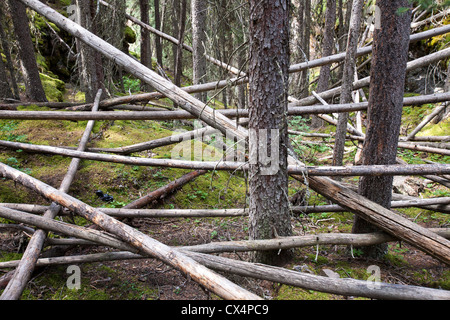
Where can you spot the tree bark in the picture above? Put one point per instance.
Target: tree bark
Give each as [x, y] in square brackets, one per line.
[198, 14]
[347, 80]
[178, 69]
[268, 85]
[306, 46]
[390, 55]
[33, 85]
[5, 90]
[327, 50]
[158, 26]
[7, 53]
[90, 66]
[146, 51]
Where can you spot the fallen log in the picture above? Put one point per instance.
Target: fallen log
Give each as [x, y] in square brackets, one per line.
[293, 110]
[440, 180]
[58, 105]
[419, 237]
[411, 146]
[165, 190]
[432, 138]
[425, 121]
[148, 145]
[412, 65]
[210, 280]
[419, 169]
[56, 226]
[292, 69]
[346, 286]
[141, 213]
[388, 221]
[440, 204]
[282, 243]
[280, 275]
[364, 51]
[26, 267]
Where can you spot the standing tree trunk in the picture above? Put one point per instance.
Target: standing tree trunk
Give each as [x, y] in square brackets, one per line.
[179, 51]
[390, 53]
[198, 16]
[347, 80]
[146, 51]
[7, 53]
[327, 50]
[158, 26]
[33, 85]
[90, 66]
[327, 44]
[306, 44]
[5, 90]
[268, 87]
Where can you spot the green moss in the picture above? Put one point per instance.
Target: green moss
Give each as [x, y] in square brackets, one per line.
[440, 129]
[129, 35]
[54, 88]
[293, 293]
[9, 256]
[64, 3]
[430, 279]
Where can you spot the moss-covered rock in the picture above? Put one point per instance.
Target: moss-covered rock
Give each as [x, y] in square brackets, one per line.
[129, 35]
[54, 88]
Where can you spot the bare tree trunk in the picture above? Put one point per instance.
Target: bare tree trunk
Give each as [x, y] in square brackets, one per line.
[178, 69]
[5, 90]
[347, 80]
[6, 52]
[327, 50]
[90, 67]
[158, 26]
[390, 53]
[305, 46]
[268, 78]
[327, 44]
[33, 85]
[199, 10]
[146, 51]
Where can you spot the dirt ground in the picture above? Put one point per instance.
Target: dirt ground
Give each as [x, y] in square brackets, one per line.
[150, 279]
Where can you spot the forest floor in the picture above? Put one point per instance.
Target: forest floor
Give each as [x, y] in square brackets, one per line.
[151, 279]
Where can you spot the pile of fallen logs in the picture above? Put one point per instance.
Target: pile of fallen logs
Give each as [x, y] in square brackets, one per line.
[195, 261]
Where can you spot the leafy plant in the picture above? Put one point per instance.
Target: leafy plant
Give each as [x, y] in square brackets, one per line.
[131, 84]
[6, 132]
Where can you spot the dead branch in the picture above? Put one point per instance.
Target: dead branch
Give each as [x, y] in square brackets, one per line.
[133, 237]
[340, 286]
[25, 269]
[346, 286]
[165, 190]
[412, 65]
[293, 110]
